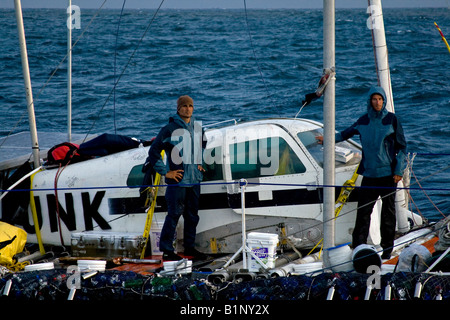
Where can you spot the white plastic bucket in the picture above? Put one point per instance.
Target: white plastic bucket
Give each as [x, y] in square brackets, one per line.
[340, 258]
[155, 235]
[264, 246]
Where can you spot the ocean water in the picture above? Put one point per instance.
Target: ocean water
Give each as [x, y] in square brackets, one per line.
[236, 65]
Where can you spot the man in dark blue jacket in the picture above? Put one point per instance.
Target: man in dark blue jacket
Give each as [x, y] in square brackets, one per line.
[182, 141]
[382, 165]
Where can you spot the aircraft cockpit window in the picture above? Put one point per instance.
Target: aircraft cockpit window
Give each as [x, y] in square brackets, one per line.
[263, 157]
[212, 163]
[346, 154]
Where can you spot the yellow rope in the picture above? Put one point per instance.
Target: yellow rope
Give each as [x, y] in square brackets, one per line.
[152, 193]
[347, 188]
[35, 218]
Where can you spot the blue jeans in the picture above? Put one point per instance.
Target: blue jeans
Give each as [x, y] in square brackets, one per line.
[181, 201]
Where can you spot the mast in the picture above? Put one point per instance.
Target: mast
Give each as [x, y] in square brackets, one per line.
[27, 82]
[329, 125]
[69, 71]
[376, 24]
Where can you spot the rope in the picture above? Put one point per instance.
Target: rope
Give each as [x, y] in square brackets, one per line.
[254, 52]
[58, 173]
[125, 68]
[423, 190]
[250, 183]
[115, 58]
[234, 182]
[36, 97]
[35, 217]
[223, 183]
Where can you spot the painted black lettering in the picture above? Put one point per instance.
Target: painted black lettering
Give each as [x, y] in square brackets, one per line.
[67, 216]
[24, 221]
[91, 210]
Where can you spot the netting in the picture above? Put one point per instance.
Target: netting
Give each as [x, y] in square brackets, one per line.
[125, 285]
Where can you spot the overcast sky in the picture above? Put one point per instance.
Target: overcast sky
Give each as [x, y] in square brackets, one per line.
[229, 4]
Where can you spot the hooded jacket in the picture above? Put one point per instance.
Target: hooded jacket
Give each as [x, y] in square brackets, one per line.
[183, 144]
[382, 139]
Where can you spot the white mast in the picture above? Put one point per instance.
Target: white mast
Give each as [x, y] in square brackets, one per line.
[329, 125]
[376, 24]
[27, 81]
[69, 71]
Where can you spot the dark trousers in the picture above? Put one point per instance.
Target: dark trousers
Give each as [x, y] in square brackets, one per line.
[181, 201]
[370, 189]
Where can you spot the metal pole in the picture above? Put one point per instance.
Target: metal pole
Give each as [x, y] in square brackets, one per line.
[69, 71]
[243, 184]
[376, 25]
[329, 124]
[27, 82]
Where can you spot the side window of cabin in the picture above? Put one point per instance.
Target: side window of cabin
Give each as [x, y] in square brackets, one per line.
[212, 163]
[263, 157]
[346, 154]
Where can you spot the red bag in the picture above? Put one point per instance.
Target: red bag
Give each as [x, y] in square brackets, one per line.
[63, 153]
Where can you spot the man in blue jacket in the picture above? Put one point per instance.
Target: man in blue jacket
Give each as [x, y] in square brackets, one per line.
[182, 141]
[382, 165]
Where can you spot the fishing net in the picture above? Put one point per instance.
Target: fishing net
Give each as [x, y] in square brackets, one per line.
[113, 285]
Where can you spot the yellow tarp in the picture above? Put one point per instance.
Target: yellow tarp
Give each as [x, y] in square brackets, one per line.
[12, 241]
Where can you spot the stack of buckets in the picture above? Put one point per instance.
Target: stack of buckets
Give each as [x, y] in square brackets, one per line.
[264, 246]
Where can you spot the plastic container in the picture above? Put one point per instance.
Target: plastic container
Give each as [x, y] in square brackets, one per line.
[340, 258]
[98, 265]
[177, 267]
[40, 266]
[308, 268]
[264, 246]
[365, 256]
[155, 235]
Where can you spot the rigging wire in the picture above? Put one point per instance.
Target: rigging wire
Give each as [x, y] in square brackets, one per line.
[141, 39]
[36, 97]
[425, 193]
[125, 67]
[250, 183]
[115, 59]
[255, 56]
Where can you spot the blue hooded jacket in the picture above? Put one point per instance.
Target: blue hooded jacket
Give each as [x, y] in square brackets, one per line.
[183, 144]
[382, 139]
